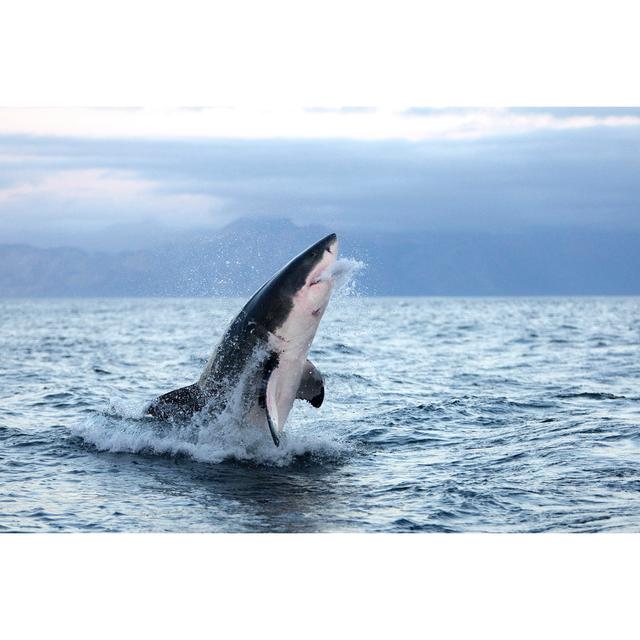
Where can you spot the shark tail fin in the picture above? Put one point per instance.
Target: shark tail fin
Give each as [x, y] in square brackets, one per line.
[180, 403]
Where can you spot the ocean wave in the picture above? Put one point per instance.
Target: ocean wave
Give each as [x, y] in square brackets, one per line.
[592, 395]
[415, 434]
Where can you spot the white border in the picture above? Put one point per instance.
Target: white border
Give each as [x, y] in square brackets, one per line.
[392, 586]
[318, 53]
[310, 54]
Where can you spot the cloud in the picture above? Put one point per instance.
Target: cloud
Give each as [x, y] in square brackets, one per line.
[91, 198]
[353, 110]
[347, 123]
[570, 177]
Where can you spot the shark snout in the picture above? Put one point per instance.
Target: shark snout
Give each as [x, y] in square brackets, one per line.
[332, 245]
[322, 271]
[320, 281]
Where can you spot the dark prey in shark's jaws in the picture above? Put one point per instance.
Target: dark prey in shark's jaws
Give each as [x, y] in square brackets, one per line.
[262, 356]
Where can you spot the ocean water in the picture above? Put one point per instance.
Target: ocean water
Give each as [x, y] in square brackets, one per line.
[441, 415]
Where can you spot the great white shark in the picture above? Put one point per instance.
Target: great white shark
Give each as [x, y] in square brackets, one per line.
[263, 353]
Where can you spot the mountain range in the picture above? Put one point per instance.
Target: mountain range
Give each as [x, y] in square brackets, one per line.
[235, 260]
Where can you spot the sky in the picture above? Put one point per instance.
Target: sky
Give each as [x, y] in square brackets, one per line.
[113, 176]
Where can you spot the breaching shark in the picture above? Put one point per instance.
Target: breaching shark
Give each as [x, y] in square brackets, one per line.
[264, 350]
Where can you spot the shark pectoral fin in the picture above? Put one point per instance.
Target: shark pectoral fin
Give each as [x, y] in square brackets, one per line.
[268, 402]
[311, 386]
[180, 403]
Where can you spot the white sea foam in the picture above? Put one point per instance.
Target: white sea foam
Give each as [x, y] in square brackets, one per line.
[204, 438]
[126, 408]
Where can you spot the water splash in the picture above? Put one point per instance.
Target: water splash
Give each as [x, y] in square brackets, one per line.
[205, 438]
[343, 272]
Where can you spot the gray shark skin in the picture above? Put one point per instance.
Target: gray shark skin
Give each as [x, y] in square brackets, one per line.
[263, 352]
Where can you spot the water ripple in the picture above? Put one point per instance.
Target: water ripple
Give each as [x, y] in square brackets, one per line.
[441, 415]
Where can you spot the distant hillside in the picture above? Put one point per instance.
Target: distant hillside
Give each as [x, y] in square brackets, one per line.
[238, 258]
